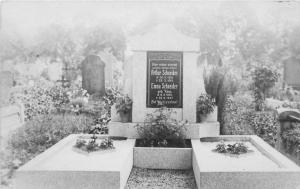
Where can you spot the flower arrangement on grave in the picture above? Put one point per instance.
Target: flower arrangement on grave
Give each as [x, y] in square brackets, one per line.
[123, 107]
[205, 105]
[161, 130]
[236, 148]
[94, 143]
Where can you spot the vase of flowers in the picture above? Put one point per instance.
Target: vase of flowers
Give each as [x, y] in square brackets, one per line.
[123, 107]
[206, 108]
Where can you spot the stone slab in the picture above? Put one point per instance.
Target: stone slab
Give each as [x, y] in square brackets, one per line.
[195, 130]
[162, 158]
[62, 167]
[286, 175]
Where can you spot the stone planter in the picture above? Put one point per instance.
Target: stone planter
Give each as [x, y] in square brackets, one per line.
[211, 117]
[162, 158]
[125, 117]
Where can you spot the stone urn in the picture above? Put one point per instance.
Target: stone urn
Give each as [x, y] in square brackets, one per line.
[125, 117]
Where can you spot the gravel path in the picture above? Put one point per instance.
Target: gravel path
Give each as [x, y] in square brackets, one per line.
[165, 179]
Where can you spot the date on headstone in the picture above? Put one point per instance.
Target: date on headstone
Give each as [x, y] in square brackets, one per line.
[164, 79]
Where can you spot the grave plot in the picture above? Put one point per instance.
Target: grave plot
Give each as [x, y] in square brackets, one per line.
[62, 167]
[260, 167]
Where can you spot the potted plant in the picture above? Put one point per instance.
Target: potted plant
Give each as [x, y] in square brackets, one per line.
[162, 142]
[205, 106]
[123, 107]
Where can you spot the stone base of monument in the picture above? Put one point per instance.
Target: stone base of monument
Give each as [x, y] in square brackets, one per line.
[192, 131]
[263, 167]
[61, 167]
[162, 158]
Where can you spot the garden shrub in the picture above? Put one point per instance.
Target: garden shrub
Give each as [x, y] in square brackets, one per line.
[291, 140]
[42, 98]
[263, 80]
[42, 132]
[234, 115]
[240, 118]
[36, 99]
[161, 130]
[265, 125]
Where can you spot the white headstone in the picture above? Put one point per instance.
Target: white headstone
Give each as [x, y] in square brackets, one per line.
[180, 54]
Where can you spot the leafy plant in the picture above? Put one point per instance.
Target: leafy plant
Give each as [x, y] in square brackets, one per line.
[161, 130]
[123, 104]
[263, 80]
[236, 148]
[205, 104]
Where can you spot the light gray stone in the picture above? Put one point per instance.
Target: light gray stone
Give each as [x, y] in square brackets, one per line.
[286, 175]
[61, 167]
[162, 158]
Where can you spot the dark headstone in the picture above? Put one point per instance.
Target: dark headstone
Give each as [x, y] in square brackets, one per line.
[164, 79]
[93, 75]
[289, 115]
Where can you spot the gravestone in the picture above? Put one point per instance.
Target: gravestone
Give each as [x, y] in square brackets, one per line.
[161, 70]
[291, 72]
[6, 83]
[93, 75]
